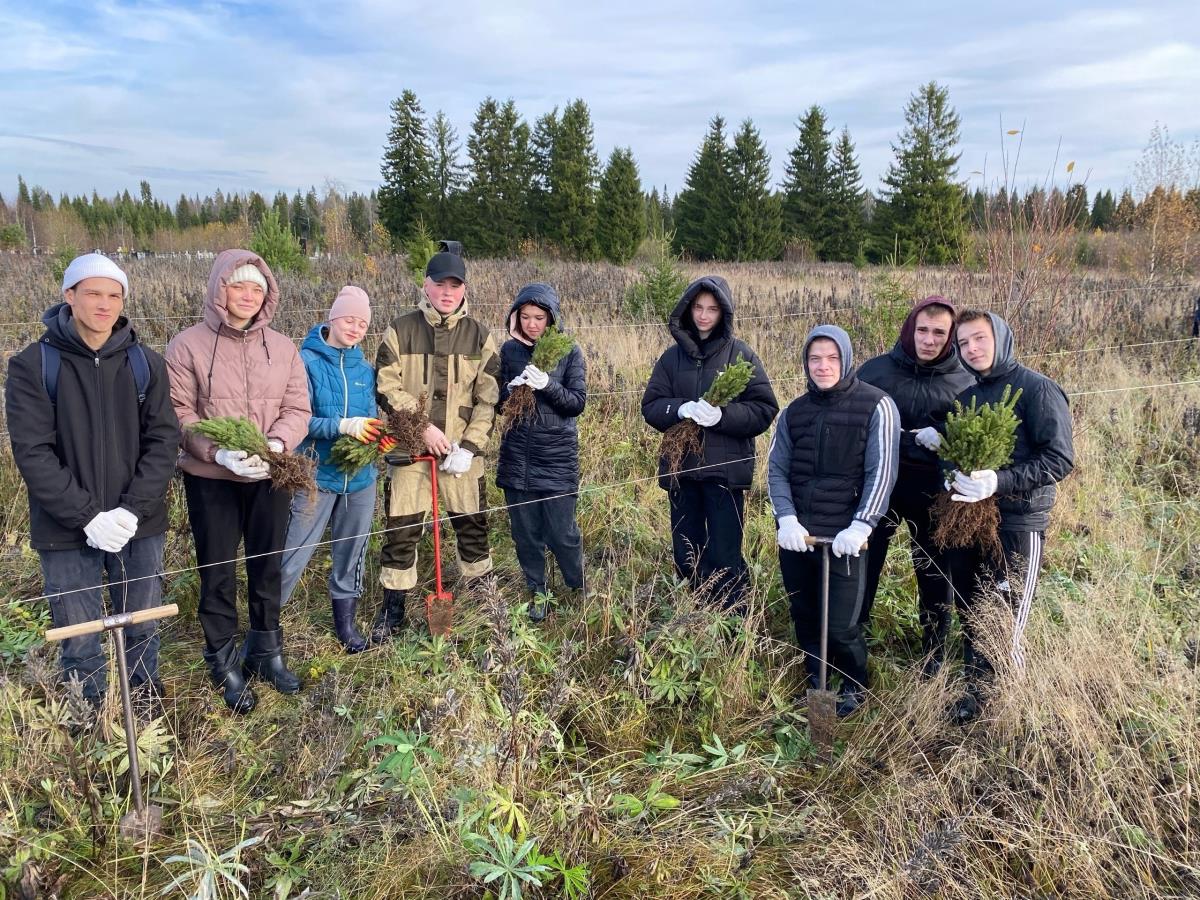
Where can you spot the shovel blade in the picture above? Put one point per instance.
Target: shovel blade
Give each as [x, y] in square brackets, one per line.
[141, 827]
[439, 613]
[822, 719]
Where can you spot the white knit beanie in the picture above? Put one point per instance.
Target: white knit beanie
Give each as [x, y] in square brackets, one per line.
[93, 265]
[248, 272]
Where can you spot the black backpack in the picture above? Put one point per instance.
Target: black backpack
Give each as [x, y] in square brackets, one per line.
[135, 356]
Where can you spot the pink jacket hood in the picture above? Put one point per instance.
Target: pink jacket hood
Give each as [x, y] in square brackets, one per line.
[215, 315]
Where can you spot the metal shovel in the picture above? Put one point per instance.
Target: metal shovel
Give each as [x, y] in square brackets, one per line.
[144, 822]
[439, 606]
[822, 702]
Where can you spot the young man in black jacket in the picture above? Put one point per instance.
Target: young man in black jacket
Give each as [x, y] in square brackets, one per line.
[1025, 489]
[923, 375]
[708, 495]
[95, 438]
[831, 470]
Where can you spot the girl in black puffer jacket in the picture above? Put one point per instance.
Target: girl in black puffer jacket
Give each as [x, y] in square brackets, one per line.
[539, 455]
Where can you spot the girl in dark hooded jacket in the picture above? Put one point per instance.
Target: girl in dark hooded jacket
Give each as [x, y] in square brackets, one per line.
[708, 496]
[539, 455]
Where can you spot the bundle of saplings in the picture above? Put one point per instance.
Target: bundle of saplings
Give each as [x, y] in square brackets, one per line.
[685, 436]
[403, 429]
[289, 471]
[977, 438]
[548, 352]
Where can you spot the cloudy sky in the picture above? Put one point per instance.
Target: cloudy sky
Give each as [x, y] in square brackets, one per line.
[280, 95]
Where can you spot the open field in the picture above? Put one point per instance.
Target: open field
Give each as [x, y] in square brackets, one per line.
[654, 747]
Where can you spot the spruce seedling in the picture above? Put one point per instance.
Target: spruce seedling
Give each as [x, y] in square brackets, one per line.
[686, 438]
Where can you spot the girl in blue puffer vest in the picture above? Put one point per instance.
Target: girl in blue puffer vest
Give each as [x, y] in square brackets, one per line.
[341, 388]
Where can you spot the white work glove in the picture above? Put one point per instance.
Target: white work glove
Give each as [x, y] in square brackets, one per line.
[705, 414]
[110, 530]
[687, 410]
[240, 463]
[535, 377]
[275, 446]
[457, 461]
[517, 382]
[972, 488]
[792, 534]
[362, 428]
[929, 438]
[850, 539]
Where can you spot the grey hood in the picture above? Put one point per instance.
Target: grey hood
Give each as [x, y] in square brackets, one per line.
[1005, 359]
[839, 337]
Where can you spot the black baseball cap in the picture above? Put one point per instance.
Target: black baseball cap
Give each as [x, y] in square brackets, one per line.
[446, 265]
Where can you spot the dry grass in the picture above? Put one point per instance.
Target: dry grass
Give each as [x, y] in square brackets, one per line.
[638, 733]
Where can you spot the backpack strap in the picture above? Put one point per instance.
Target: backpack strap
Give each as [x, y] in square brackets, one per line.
[135, 356]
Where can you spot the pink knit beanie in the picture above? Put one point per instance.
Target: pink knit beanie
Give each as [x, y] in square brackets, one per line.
[351, 301]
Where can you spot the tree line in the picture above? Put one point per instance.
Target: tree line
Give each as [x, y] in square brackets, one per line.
[513, 187]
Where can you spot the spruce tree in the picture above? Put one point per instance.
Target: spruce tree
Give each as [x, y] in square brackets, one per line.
[922, 212]
[847, 225]
[449, 177]
[497, 195]
[358, 217]
[1104, 207]
[541, 148]
[256, 208]
[756, 226]
[1076, 206]
[407, 169]
[574, 171]
[704, 207]
[808, 187]
[620, 208]
[280, 205]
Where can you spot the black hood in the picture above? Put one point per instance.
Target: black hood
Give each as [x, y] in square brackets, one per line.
[541, 295]
[61, 333]
[684, 330]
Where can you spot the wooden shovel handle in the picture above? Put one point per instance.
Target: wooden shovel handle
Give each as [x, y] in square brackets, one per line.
[97, 625]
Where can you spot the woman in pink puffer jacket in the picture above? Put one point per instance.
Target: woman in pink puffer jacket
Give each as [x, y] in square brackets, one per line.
[234, 364]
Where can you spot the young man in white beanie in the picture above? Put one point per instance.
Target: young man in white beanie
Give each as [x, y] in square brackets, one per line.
[95, 437]
[341, 389]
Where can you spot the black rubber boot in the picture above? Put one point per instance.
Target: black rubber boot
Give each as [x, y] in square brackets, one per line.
[264, 657]
[539, 606]
[966, 708]
[225, 669]
[390, 620]
[344, 625]
[849, 702]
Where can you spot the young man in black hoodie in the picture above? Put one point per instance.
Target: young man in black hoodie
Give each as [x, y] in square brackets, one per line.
[1025, 489]
[831, 470]
[708, 496]
[95, 438]
[923, 375]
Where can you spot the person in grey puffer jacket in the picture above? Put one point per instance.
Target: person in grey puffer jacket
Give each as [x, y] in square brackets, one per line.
[1024, 489]
[539, 456]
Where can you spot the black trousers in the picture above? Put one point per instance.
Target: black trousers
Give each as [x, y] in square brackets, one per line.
[935, 592]
[223, 515]
[847, 578]
[544, 520]
[706, 538]
[1015, 575]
